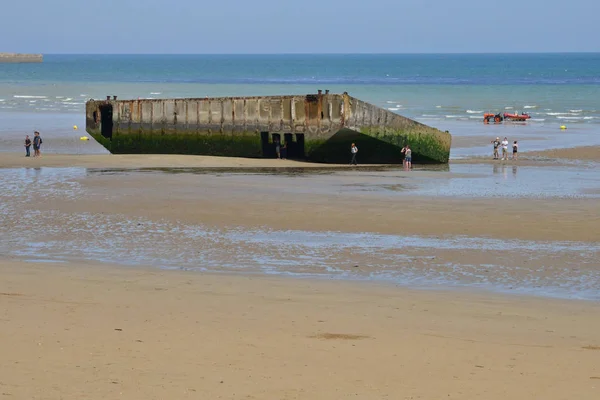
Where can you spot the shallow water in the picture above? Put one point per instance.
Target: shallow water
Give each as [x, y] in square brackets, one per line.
[558, 269]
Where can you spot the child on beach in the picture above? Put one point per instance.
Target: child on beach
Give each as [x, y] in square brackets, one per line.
[515, 149]
[27, 145]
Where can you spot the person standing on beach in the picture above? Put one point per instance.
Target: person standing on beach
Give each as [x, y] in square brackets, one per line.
[27, 145]
[505, 149]
[37, 143]
[353, 150]
[515, 150]
[278, 148]
[496, 144]
[407, 156]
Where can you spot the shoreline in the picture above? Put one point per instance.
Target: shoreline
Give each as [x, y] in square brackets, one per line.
[162, 334]
[552, 157]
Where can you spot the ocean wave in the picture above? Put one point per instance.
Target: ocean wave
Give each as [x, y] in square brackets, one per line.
[18, 96]
[588, 118]
[454, 116]
[538, 119]
[576, 111]
[67, 99]
[474, 112]
[557, 113]
[59, 97]
[475, 116]
[570, 117]
[508, 108]
[529, 106]
[393, 108]
[155, 93]
[429, 115]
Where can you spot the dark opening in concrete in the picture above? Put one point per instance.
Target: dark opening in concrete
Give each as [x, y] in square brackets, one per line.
[264, 143]
[106, 120]
[299, 146]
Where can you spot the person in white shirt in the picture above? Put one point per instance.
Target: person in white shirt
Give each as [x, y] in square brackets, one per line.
[505, 149]
[353, 150]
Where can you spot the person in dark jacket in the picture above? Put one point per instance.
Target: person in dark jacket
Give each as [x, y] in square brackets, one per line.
[27, 146]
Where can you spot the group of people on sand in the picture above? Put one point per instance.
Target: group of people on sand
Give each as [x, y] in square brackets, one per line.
[407, 162]
[504, 144]
[36, 143]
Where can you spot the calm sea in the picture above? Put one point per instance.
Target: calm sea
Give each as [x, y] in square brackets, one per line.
[445, 91]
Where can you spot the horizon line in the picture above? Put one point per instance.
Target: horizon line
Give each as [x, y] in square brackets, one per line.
[325, 54]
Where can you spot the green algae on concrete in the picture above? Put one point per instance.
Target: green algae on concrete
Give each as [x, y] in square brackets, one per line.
[183, 143]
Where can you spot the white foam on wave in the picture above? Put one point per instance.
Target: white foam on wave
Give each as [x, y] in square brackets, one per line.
[32, 101]
[576, 111]
[155, 93]
[59, 97]
[438, 106]
[557, 113]
[82, 95]
[429, 115]
[454, 116]
[529, 106]
[393, 108]
[1, 99]
[588, 118]
[475, 116]
[18, 96]
[571, 118]
[474, 112]
[538, 119]
[71, 103]
[388, 101]
[67, 99]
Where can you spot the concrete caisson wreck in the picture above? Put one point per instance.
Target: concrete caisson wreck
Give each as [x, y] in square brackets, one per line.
[318, 127]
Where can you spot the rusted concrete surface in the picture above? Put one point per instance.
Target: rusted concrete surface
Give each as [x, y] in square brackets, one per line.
[318, 126]
[20, 58]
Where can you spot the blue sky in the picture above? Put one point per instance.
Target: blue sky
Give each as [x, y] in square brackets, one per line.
[308, 26]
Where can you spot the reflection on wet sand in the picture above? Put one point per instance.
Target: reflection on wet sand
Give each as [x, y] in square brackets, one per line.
[86, 229]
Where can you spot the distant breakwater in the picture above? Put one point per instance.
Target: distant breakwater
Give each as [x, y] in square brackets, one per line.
[21, 58]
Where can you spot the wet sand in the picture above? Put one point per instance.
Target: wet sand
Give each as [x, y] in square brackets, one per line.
[150, 161]
[552, 157]
[586, 153]
[97, 332]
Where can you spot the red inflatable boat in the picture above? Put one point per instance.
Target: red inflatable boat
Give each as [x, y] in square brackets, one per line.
[516, 117]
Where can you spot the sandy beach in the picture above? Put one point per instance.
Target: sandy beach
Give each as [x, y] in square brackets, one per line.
[164, 276]
[97, 331]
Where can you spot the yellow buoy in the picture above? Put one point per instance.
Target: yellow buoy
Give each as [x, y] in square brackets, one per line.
[563, 127]
[84, 138]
